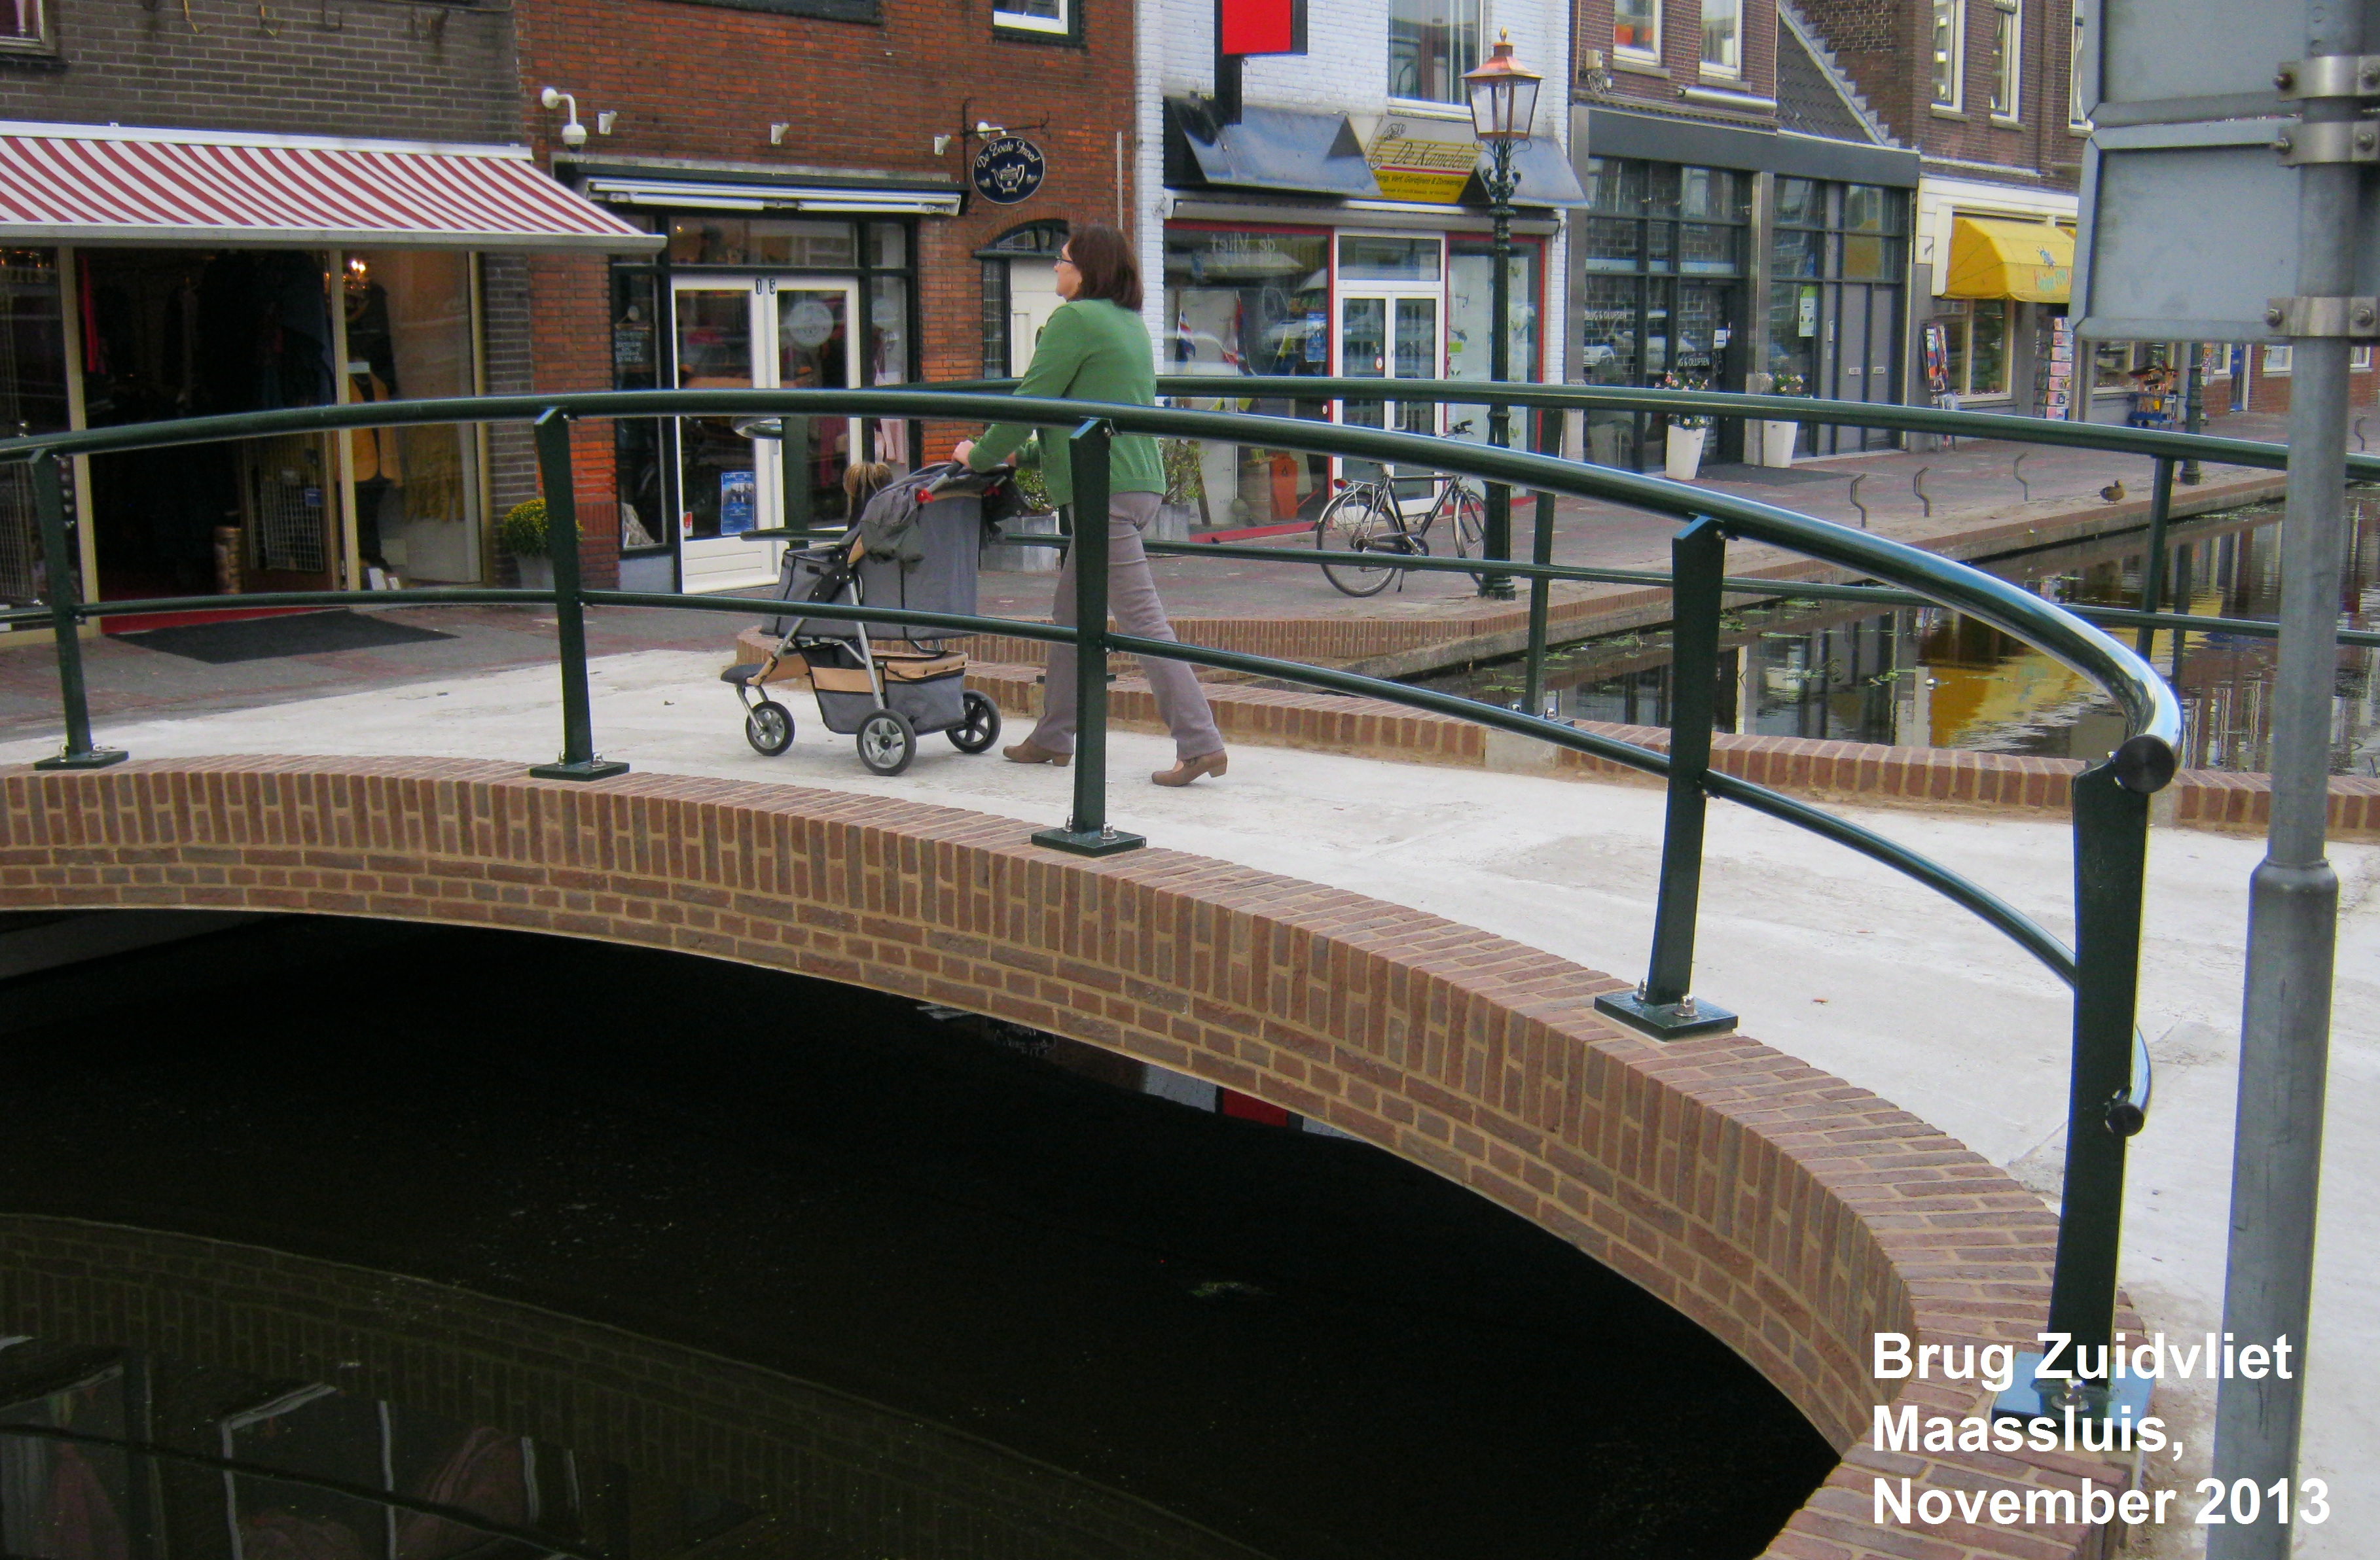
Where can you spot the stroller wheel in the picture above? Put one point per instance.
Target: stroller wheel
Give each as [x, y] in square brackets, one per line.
[887, 742]
[768, 727]
[981, 727]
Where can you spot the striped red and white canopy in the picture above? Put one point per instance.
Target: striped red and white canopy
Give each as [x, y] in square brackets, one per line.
[80, 183]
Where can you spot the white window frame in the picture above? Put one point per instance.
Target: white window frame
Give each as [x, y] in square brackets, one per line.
[1628, 52]
[1062, 26]
[1731, 69]
[1957, 62]
[1457, 105]
[39, 41]
[2075, 118]
[2359, 359]
[2278, 358]
[2008, 61]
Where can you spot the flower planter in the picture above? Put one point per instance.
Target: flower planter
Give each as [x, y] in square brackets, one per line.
[536, 573]
[1685, 453]
[1777, 442]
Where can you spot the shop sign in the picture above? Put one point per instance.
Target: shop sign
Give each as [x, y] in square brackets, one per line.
[1008, 169]
[809, 323]
[1410, 165]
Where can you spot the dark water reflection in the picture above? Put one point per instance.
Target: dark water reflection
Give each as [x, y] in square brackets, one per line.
[634, 1256]
[1928, 677]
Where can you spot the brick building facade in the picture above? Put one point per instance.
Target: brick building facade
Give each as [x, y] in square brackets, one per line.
[810, 165]
[269, 278]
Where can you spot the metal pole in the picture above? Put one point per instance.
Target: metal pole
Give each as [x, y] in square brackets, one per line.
[1661, 1006]
[2111, 836]
[2193, 405]
[2293, 895]
[2181, 561]
[1541, 551]
[2152, 575]
[579, 761]
[1086, 832]
[1498, 542]
[793, 469]
[64, 596]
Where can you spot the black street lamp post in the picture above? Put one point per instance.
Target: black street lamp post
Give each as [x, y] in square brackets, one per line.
[1503, 107]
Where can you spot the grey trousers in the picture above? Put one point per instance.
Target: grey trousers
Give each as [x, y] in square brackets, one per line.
[1133, 603]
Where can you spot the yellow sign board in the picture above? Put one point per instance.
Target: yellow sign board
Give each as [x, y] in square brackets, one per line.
[1408, 167]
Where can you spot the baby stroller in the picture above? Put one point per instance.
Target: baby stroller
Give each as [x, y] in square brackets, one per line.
[913, 547]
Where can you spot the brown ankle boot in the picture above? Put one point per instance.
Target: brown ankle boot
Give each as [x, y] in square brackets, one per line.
[1025, 753]
[1189, 770]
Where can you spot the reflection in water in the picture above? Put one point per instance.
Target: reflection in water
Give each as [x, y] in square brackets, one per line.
[634, 1256]
[1930, 678]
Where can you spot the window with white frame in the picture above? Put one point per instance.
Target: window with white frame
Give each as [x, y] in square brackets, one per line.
[1035, 16]
[1722, 37]
[1949, 51]
[1431, 43]
[2075, 118]
[2008, 56]
[2277, 357]
[1636, 28]
[2360, 357]
[24, 25]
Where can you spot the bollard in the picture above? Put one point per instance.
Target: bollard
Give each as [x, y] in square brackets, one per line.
[66, 622]
[1086, 832]
[579, 761]
[1662, 1006]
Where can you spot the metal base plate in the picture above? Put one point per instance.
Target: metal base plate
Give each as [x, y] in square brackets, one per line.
[2094, 1400]
[585, 770]
[97, 758]
[1664, 1020]
[1088, 843]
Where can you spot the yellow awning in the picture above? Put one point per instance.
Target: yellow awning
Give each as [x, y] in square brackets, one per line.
[1993, 257]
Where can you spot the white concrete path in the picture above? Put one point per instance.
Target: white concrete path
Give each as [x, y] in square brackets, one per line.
[1825, 955]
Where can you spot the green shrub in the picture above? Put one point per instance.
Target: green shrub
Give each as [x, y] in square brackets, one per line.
[522, 530]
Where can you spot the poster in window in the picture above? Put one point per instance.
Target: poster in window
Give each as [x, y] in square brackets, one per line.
[1938, 357]
[1808, 320]
[737, 502]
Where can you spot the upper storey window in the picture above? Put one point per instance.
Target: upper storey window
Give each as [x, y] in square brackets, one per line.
[1431, 43]
[24, 26]
[1636, 28]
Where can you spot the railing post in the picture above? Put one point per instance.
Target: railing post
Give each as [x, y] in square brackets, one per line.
[579, 761]
[1662, 1006]
[1086, 832]
[2152, 575]
[793, 465]
[2111, 833]
[1541, 551]
[65, 621]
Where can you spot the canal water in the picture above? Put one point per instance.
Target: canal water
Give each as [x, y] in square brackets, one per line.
[1934, 678]
[346, 1241]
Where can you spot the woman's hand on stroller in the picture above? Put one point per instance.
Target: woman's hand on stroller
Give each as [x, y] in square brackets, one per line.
[965, 447]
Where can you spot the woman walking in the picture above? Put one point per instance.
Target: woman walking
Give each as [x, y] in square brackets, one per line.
[1095, 348]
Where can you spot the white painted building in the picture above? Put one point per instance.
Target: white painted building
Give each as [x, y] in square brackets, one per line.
[1338, 227]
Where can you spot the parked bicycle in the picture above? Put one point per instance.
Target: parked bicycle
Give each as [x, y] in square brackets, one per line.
[1368, 517]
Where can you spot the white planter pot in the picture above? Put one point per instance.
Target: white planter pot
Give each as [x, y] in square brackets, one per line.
[1685, 454]
[1777, 442]
[536, 573]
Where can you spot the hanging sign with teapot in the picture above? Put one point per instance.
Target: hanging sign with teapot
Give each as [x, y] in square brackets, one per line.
[1008, 169]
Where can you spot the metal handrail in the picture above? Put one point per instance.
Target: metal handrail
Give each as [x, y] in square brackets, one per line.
[2108, 1083]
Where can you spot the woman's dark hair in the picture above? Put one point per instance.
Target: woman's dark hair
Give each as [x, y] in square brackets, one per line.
[1103, 259]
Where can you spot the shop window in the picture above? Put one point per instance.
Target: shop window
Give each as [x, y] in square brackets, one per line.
[2008, 56]
[1636, 28]
[709, 239]
[2076, 120]
[24, 26]
[1049, 18]
[1431, 43]
[637, 456]
[1241, 302]
[410, 338]
[1722, 37]
[1975, 346]
[1368, 258]
[1471, 323]
[2278, 355]
[32, 400]
[1950, 52]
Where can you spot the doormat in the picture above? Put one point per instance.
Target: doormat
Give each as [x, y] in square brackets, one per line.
[1768, 475]
[308, 634]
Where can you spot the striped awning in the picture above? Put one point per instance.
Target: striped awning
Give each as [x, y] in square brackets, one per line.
[84, 184]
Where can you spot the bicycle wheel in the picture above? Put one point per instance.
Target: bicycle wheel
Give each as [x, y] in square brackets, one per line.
[1354, 520]
[1470, 522]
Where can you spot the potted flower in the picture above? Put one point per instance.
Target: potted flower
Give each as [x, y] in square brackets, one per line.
[522, 533]
[1776, 435]
[1688, 432]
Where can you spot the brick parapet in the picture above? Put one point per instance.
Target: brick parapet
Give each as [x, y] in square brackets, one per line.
[1784, 1210]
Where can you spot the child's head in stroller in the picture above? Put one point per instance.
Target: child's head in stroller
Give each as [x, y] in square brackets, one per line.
[861, 481]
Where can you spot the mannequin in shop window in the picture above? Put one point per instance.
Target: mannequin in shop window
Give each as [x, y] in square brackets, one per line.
[378, 462]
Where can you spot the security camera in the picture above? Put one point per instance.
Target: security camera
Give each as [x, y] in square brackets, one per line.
[574, 134]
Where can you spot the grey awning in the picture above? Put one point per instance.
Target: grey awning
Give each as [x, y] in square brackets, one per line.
[1269, 148]
[1546, 178]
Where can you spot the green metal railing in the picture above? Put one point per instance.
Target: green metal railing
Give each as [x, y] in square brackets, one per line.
[2109, 1082]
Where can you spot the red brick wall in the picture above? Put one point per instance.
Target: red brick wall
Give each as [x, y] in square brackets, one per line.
[1787, 1212]
[1682, 49]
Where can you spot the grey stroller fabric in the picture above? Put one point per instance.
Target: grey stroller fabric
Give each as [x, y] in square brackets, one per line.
[927, 563]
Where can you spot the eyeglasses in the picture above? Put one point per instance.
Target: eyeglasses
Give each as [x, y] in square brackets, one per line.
[1067, 261]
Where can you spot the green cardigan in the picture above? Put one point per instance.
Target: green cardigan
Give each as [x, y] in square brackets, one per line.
[1091, 350]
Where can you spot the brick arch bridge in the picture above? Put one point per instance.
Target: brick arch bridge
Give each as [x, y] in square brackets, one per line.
[1787, 1212]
